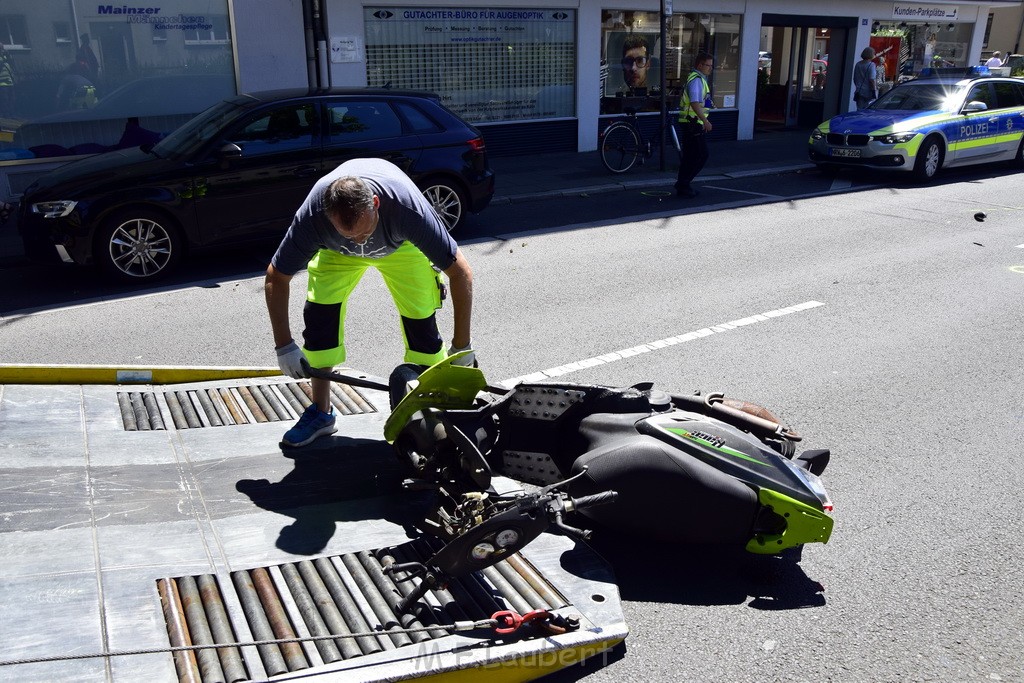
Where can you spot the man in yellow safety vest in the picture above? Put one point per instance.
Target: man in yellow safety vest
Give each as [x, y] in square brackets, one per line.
[694, 124]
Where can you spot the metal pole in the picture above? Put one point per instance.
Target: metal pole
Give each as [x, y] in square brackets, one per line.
[312, 77]
[666, 11]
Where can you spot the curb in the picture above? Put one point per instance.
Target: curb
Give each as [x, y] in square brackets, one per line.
[644, 183]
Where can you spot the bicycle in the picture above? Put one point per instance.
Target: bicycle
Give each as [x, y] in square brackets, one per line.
[623, 143]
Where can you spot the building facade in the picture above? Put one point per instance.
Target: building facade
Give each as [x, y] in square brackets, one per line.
[1004, 32]
[544, 75]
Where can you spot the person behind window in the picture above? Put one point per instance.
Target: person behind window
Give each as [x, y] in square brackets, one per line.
[6, 83]
[695, 124]
[635, 61]
[995, 60]
[75, 90]
[865, 73]
[87, 57]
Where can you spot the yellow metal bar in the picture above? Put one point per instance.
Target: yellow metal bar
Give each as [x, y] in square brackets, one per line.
[123, 374]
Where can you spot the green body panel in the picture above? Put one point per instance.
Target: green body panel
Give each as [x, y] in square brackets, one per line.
[804, 524]
[442, 385]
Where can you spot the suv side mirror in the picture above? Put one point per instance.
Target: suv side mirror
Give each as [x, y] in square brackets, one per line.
[974, 105]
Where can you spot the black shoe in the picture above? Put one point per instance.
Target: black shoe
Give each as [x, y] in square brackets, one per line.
[687, 193]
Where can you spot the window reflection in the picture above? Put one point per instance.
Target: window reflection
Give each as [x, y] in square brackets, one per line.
[91, 77]
[631, 54]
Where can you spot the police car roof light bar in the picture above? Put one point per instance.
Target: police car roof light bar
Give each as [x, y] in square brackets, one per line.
[955, 72]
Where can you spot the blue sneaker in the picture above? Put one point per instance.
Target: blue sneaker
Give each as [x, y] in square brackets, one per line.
[312, 425]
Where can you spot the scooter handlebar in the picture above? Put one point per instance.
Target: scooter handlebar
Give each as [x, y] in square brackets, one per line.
[602, 498]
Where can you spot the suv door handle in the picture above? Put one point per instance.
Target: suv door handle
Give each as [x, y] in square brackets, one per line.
[304, 171]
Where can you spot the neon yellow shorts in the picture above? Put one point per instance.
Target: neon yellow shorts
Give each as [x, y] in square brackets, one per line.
[414, 285]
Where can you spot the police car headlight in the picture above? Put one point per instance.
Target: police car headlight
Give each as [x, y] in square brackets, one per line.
[57, 209]
[894, 138]
[817, 134]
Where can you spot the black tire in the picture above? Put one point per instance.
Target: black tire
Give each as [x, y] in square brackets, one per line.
[1018, 161]
[448, 200]
[620, 147]
[929, 159]
[138, 246]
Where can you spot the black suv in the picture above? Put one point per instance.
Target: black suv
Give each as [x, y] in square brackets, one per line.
[238, 171]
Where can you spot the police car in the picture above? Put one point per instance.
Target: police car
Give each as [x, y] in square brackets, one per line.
[932, 122]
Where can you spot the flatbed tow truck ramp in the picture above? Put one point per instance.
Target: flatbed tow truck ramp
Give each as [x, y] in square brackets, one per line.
[153, 529]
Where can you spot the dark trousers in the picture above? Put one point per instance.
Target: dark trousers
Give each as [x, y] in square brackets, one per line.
[693, 156]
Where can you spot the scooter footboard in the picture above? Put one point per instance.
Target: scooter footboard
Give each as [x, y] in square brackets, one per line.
[665, 494]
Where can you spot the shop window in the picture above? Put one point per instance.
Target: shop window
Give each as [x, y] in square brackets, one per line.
[13, 33]
[99, 81]
[213, 30]
[487, 65]
[62, 33]
[631, 51]
[912, 46]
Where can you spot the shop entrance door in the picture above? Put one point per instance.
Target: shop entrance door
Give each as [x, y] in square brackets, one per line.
[802, 70]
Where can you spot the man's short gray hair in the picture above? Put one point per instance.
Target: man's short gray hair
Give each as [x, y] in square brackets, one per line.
[868, 53]
[347, 199]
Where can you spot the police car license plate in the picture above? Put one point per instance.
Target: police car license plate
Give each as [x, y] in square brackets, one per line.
[843, 152]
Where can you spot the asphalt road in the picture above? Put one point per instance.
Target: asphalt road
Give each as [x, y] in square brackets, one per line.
[904, 361]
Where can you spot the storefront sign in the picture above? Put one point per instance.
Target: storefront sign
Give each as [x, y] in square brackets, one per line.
[913, 12]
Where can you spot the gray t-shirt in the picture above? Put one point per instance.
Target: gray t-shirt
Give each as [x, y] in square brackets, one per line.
[405, 215]
[864, 74]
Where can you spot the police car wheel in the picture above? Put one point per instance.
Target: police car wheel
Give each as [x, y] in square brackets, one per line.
[1018, 161]
[929, 159]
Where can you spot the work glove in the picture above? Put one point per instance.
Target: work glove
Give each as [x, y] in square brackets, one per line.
[292, 361]
[469, 360]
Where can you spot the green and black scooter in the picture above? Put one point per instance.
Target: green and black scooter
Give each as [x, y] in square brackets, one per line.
[684, 469]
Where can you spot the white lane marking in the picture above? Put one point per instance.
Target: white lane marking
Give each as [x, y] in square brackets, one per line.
[1020, 246]
[756, 194]
[840, 184]
[659, 344]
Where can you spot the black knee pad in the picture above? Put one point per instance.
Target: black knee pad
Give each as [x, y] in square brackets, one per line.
[323, 325]
[422, 334]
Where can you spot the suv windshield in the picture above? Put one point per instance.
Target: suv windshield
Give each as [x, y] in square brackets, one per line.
[185, 140]
[920, 97]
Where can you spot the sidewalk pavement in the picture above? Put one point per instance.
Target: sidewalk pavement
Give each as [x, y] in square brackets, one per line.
[538, 176]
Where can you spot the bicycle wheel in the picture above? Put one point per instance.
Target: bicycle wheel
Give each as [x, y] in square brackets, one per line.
[620, 147]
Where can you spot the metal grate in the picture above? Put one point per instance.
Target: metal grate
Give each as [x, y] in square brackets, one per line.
[339, 595]
[222, 406]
